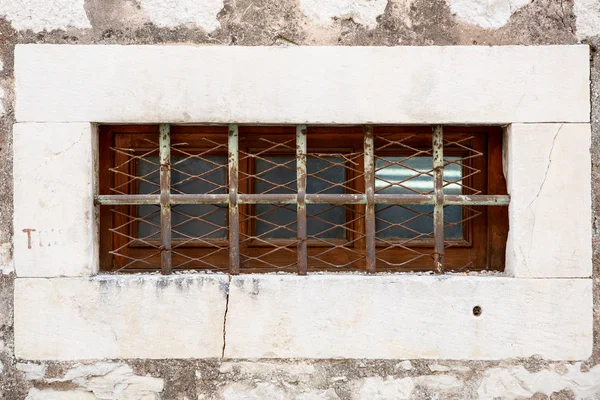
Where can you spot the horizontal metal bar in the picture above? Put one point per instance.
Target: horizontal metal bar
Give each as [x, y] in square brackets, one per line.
[414, 199]
[336, 199]
[267, 198]
[141, 199]
[449, 200]
[127, 199]
[200, 198]
[476, 200]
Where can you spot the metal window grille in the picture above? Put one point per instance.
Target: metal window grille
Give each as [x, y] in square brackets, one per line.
[267, 200]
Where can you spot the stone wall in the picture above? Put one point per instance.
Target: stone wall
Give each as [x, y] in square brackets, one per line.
[289, 23]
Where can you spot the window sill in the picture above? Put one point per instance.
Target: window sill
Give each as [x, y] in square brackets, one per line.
[287, 316]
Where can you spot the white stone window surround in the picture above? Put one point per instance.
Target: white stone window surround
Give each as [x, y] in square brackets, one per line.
[542, 305]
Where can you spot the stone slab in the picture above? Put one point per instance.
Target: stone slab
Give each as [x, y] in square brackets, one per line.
[408, 317]
[114, 317]
[54, 218]
[227, 84]
[550, 213]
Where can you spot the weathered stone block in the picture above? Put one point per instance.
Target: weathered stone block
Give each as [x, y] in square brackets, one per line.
[54, 217]
[405, 85]
[40, 15]
[183, 12]
[549, 180]
[114, 317]
[403, 316]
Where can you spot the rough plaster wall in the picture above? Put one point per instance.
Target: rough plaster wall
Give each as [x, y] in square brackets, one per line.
[172, 13]
[38, 15]
[363, 12]
[588, 18]
[485, 13]
[278, 22]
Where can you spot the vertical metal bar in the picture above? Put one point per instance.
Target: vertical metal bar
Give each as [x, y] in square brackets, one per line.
[438, 208]
[234, 216]
[165, 194]
[301, 224]
[370, 195]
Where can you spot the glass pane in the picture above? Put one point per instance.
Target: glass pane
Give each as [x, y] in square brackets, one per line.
[415, 219]
[321, 219]
[275, 222]
[205, 221]
[275, 171]
[272, 216]
[322, 171]
[149, 225]
[212, 180]
[453, 214]
[201, 218]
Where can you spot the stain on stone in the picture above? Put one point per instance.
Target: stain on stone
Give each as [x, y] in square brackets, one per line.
[224, 288]
[534, 364]
[255, 287]
[106, 15]
[182, 284]
[57, 386]
[13, 384]
[163, 283]
[239, 282]
[108, 284]
[56, 370]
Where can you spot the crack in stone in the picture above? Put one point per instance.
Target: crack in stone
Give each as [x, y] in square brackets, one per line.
[548, 167]
[70, 146]
[225, 318]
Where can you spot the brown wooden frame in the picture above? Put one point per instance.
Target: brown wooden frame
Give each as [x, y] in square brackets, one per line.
[482, 249]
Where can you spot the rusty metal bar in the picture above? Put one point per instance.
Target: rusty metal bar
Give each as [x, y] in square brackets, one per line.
[199, 199]
[476, 200]
[369, 199]
[413, 199]
[165, 193]
[438, 208]
[369, 161]
[129, 199]
[267, 198]
[234, 214]
[344, 199]
[301, 225]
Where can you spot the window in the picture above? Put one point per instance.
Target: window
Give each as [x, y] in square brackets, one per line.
[300, 199]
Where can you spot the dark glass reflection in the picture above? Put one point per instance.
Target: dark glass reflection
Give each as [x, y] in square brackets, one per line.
[321, 217]
[184, 217]
[200, 220]
[415, 179]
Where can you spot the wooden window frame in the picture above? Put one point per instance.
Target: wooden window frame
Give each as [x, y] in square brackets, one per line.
[484, 243]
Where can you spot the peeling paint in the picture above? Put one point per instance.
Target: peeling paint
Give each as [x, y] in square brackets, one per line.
[32, 371]
[49, 394]
[517, 382]
[113, 381]
[6, 261]
[40, 15]
[191, 13]
[364, 12]
[485, 13]
[587, 18]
